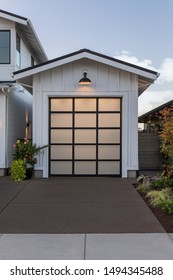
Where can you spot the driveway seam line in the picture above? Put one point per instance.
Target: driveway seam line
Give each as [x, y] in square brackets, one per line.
[13, 198]
[169, 234]
[85, 247]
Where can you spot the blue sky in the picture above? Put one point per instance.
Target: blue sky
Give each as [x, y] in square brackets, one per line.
[139, 31]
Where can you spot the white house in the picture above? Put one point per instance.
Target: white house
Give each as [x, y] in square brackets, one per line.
[91, 128]
[19, 48]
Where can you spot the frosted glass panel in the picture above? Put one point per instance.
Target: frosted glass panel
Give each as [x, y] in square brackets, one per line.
[85, 152]
[85, 167]
[109, 167]
[109, 152]
[109, 136]
[85, 120]
[61, 120]
[85, 104]
[61, 104]
[61, 168]
[109, 120]
[109, 104]
[85, 136]
[61, 136]
[61, 152]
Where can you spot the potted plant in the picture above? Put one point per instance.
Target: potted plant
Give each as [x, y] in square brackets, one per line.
[26, 151]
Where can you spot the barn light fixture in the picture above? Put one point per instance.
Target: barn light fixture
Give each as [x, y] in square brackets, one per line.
[85, 80]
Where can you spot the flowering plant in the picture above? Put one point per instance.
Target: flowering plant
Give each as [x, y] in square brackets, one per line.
[27, 151]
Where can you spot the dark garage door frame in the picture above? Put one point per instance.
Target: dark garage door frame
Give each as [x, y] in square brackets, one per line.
[72, 128]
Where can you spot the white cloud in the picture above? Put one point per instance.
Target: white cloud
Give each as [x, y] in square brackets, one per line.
[165, 69]
[126, 56]
[161, 91]
[152, 99]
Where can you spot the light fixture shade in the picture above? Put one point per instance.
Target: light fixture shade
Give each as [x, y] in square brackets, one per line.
[85, 80]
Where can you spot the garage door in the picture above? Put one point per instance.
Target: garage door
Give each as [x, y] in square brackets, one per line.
[85, 136]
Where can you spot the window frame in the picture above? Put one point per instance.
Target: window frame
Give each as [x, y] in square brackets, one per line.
[32, 61]
[9, 49]
[18, 52]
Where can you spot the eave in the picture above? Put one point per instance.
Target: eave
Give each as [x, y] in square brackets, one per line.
[145, 76]
[25, 26]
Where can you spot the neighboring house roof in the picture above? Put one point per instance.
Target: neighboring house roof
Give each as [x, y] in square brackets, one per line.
[152, 115]
[29, 34]
[145, 76]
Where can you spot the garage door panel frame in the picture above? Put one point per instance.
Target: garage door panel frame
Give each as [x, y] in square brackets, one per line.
[73, 128]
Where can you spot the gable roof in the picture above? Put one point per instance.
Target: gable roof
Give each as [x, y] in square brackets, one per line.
[145, 76]
[27, 29]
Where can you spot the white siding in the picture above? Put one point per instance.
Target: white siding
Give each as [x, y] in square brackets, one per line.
[6, 70]
[106, 81]
[16, 102]
[104, 78]
[25, 54]
[19, 103]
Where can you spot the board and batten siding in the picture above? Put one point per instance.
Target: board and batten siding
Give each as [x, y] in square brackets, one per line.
[104, 78]
[107, 81]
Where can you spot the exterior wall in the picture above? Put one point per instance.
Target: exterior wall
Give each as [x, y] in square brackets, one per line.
[14, 101]
[25, 56]
[19, 105]
[25, 53]
[14, 106]
[6, 70]
[106, 81]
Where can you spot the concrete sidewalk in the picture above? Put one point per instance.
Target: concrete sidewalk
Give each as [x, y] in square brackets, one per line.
[153, 246]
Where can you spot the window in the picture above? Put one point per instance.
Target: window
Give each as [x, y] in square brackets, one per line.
[18, 60]
[4, 46]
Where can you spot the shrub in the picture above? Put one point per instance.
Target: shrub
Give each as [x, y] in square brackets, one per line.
[144, 188]
[162, 199]
[18, 170]
[145, 183]
[167, 206]
[162, 183]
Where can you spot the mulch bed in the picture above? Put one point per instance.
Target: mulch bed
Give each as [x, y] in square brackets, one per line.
[166, 220]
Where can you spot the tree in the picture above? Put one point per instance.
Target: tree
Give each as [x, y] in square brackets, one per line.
[166, 136]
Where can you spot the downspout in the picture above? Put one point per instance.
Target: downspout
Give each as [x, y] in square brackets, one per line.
[6, 131]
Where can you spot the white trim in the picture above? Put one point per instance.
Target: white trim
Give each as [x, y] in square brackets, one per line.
[41, 135]
[88, 55]
[3, 131]
[13, 18]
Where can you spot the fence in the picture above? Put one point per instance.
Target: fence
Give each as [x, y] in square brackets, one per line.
[149, 150]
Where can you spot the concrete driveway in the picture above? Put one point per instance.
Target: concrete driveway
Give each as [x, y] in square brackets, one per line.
[78, 218]
[74, 205]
